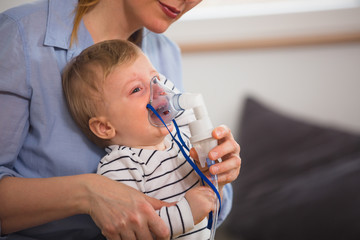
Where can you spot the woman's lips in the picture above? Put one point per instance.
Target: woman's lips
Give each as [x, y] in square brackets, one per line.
[171, 12]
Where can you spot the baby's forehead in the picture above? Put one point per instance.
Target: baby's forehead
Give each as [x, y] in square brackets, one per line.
[138, 64]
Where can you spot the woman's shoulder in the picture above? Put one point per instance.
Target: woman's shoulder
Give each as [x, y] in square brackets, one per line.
[25, 21]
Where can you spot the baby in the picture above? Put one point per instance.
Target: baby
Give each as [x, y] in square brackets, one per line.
[107, 88]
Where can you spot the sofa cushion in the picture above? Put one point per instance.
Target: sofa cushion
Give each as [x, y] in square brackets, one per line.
[298, 180]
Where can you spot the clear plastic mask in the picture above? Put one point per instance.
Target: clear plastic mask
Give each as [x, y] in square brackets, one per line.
[162, 100]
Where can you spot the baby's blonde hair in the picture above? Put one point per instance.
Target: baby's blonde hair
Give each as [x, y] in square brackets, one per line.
[84, 76]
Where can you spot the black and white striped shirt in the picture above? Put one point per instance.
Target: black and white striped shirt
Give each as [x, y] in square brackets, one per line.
[165, 175]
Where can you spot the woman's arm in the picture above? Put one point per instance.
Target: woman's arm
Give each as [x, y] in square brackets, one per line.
[117, 209]
[29, 202]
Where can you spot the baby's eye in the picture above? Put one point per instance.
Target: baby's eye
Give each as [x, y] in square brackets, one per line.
[136, 90]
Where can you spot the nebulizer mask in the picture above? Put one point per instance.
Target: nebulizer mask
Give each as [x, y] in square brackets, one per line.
[164, 106]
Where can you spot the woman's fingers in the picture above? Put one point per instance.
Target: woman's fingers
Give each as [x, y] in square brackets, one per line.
[229, 151]
[159, 230]
[139, 222]
[155, 223]
[122, 212]
[226, 143]
[228, 170]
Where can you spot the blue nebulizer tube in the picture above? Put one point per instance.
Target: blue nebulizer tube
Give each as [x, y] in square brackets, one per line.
[163, 107]
[202, 140]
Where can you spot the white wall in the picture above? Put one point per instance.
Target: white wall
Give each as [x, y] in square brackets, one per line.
[319, 82]
[5, 4]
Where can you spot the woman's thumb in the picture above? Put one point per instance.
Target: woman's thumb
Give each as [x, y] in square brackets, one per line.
[157, 204]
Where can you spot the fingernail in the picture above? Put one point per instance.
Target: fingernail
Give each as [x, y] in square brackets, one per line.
[214, 155]
[215, 169]
[220, 132]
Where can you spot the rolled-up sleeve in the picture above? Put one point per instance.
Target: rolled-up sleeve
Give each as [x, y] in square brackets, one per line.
[14, 94]
[226, 203]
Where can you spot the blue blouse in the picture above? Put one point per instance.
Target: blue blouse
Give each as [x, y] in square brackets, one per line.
[38, 136]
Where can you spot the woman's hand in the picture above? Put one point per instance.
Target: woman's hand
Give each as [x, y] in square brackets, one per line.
[122, 212]
[229, 151]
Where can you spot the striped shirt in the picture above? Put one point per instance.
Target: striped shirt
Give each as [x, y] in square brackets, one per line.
[164, 175]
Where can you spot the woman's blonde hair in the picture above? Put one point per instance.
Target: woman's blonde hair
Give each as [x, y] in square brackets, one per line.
[83, 7]
[84, 76]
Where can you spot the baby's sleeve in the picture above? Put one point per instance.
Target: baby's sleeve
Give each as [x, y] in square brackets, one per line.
[178, 218]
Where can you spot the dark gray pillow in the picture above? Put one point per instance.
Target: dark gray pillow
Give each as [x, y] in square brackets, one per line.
[297, 181]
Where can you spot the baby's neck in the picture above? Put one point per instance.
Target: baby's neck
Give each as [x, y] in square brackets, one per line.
[161, 146]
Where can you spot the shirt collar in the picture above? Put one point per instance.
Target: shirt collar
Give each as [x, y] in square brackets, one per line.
[59, 27]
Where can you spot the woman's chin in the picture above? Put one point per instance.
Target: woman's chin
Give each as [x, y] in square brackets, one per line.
[160, 27]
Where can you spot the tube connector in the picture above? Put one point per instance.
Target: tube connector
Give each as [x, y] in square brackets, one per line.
[201, 128]
[190, 100]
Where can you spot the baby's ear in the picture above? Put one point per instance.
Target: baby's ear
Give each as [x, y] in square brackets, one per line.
[102, 128]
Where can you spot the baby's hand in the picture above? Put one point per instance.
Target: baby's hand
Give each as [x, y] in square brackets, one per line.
[202, 201]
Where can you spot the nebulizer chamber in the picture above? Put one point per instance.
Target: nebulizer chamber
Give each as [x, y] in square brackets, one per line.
[201, 138]
[167, 105]
[201, 129]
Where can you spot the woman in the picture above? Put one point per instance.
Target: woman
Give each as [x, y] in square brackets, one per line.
[48, 186]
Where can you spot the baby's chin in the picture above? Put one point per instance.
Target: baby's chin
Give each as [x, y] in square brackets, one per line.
[161, 132]
[164, 131]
